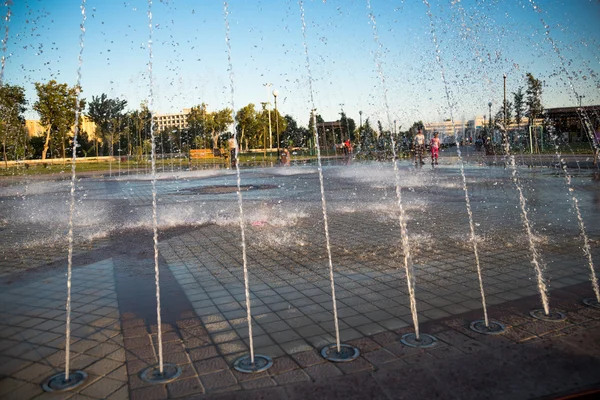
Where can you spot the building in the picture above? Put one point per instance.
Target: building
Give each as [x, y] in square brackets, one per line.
[575, 124]
[35, 128]
[447, 129]
[177, 120]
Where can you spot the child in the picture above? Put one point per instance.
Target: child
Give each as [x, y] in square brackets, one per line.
[435, 148]
[419, 146]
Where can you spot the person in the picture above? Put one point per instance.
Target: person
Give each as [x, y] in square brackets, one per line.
[435, 148]
[232, 149]
[347, 147]
[285, 156]
[419, 146]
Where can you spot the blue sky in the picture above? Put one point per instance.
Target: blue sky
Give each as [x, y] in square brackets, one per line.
[394, 77]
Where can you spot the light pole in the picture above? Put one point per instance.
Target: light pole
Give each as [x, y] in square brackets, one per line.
[490, 120]
[341, 130]
[505, 113]
[268, 86]
[275, 94]
[265, 138]
[314, 118]
[581, 124]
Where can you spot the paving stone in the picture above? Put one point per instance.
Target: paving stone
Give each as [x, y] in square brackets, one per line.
[324, 371]
[184, 387]
[154, 392]
[308, 358]
[379, 357]
[210, 365]
[217, 380]
[102, 388]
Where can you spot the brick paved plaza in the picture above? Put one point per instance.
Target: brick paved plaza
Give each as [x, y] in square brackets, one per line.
[203, 303]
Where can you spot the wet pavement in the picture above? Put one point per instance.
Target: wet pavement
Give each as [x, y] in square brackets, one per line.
[202, 285]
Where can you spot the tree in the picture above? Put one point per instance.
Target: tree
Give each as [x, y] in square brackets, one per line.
[499, 117]
[246, 124]
[12, 107]
[108, 116]
[196, 120]
[138, 127]
[534, 98]
[216, 123]
[519, 105]
[348, 126]
[56, 106]
[294, 135]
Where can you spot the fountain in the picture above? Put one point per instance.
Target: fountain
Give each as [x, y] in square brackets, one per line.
[336, 352]
[254, 363]
[350, 202]
[163, 372]
[69, 380]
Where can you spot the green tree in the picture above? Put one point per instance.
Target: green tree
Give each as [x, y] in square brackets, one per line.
[138, 129]
[216, 123]
[499, 117]
[196, 120]
[295, 135]
[519, 105]
[108, 116]
[534, 98]
[246, 125]
[348, 126]
[12, 107]
[56, 106]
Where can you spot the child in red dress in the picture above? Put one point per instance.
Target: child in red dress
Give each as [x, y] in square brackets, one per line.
[435, 148]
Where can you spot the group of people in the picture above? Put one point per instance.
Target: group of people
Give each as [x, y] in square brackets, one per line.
[419, 147]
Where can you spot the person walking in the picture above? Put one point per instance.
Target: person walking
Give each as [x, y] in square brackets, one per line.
[232, 150]
[435, 148]
[419, 147]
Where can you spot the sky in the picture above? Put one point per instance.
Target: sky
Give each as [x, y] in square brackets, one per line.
[398, 60]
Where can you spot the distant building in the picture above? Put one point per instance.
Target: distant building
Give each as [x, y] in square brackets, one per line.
[447, 129]
[35, 128]
[177, 120]
[570, 122]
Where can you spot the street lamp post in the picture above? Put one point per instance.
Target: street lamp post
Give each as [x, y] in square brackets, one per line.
[580, 97]
[342, 130]
[505, 113]
[265, 138]
[490, 120]
[275, 94]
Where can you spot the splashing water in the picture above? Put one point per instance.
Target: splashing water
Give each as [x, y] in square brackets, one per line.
[72, 192]
[408, 267]
[154, 205]
[586, 242]
[7, 4]
[320, 169]
[590, 131]
[239, 183]
[465, 188]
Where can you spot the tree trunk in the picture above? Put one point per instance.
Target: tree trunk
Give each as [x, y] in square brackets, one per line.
[215, 138]
[64, 152]
[46, 145]
[242, 138]
[4, 153]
